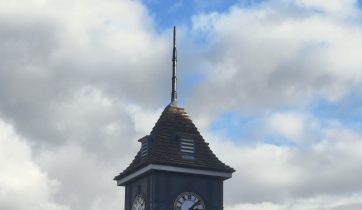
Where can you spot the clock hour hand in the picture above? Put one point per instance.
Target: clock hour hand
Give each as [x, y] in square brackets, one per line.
[195, 204]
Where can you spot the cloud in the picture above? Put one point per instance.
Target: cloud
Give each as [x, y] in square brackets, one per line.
[276, 56]
[333, 6]
[22, 182]
[288, 125]
[352, 202]
[328, 165]
[52, 51]
[86, 177]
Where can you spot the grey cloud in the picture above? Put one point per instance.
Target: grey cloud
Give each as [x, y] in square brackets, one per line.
[69, 101]
[329, 166]
[262, 59]
[353, 206]
[38, 76]
[26, 88]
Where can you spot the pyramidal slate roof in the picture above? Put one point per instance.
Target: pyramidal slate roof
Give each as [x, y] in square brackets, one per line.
[164, 145]
[174, 140]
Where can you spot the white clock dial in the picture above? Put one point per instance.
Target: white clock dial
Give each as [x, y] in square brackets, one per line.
[139, 203]
[189, 201]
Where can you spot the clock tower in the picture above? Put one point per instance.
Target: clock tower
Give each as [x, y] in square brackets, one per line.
[175, 168]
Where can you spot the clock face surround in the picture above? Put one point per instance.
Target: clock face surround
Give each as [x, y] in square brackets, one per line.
[139, 203]
[189, 201]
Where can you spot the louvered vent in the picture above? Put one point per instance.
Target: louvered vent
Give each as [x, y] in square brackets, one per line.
[144, 149]
[187, 147]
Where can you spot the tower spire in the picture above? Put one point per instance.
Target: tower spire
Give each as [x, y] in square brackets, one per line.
[174, 62]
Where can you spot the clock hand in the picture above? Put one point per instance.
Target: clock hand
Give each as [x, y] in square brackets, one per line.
[195, 204]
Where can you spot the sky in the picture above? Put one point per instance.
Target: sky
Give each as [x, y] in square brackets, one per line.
[274, 86]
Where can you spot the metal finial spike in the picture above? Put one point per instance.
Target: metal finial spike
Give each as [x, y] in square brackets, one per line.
[174, 62]
[174, 36]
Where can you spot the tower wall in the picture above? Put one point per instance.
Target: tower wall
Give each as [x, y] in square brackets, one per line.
[161, 188]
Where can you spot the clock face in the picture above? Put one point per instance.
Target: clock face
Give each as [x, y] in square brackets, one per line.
[139, 203]
[189, 201]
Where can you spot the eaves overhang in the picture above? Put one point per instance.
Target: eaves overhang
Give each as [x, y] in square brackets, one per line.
[176, 169]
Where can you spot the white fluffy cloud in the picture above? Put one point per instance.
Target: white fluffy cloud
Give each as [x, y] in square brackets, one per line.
[86, 177]
[280, 177]
[23, 184]
[278, 54]
[350, 202]
[288, 125]
[332, 6]
[51, 49]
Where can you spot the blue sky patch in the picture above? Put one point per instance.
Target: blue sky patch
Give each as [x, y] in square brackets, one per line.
[278, 140]
[234, 125]
[347, 110]
[179, 12]
[359, 3]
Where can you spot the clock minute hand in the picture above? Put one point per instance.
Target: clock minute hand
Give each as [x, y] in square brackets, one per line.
[195, 204]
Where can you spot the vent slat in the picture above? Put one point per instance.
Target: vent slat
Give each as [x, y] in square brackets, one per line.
[187, 147]
[187, 140]
[187, 144]
[144, 149]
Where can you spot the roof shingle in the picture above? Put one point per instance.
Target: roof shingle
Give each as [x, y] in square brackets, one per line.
[164, 146]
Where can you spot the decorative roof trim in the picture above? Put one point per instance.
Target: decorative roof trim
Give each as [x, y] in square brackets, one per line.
[150, 167]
